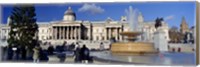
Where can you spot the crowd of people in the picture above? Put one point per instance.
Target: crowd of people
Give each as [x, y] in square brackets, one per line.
[81, 54]
[42, 51]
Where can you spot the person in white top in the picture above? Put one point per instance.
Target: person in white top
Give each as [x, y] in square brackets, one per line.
[36, 54]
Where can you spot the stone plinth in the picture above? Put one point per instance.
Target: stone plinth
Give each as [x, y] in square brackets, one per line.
[133, 47]
[160, 40]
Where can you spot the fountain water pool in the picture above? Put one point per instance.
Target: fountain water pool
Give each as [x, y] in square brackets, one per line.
[166, 58]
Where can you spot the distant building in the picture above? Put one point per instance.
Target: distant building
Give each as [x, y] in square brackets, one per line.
[184, 26]
[175, 36]
[185, 35]
[71, 30]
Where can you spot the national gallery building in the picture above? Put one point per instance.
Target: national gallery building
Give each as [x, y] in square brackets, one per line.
[71, 30]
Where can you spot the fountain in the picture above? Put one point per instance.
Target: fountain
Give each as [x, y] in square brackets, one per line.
[131, 46]
[130, 50]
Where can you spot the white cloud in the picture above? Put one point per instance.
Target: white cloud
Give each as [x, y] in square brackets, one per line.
[91, 8]
[170, 17]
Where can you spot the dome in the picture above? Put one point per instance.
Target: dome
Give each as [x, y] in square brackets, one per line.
[69, 12]
[69, 15]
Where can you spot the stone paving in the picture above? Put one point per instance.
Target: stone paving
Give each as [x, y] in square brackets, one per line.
[54, 59]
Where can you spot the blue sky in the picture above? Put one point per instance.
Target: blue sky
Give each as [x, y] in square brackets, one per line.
[172, 12]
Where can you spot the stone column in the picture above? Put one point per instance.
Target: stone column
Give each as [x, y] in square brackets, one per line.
[68, 32]
[53, 33]
[60, 32]
[56, 33]
[66, 35]
[89, 35]
[120, 36]
[71, 32]
[63, 32]
[116, 35]
[106, 33]
[76, 32]
[79, 33]
[110, 33]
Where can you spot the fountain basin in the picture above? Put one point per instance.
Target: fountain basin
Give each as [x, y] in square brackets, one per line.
[132, 48]
[164, 58]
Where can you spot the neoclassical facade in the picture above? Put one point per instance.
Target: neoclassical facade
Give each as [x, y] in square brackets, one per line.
[72, 30]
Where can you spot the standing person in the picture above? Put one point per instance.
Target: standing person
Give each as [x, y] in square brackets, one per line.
[50, 49]
[36, 54]
[10, 53]
[18, 53]
[85, 54]
[23, 53]
[43, 55]
[76, 46]
[77, 54]
[101, 46]
[63, 47]
[61, 53]
[72, 47]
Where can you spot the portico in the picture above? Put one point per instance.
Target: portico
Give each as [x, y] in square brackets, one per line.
[66, 31]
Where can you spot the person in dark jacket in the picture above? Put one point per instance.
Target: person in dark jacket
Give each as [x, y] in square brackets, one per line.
[85, 54]
[10, 53]
[61, 54]
[23, 52]
[50, 49]
[43, 54]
